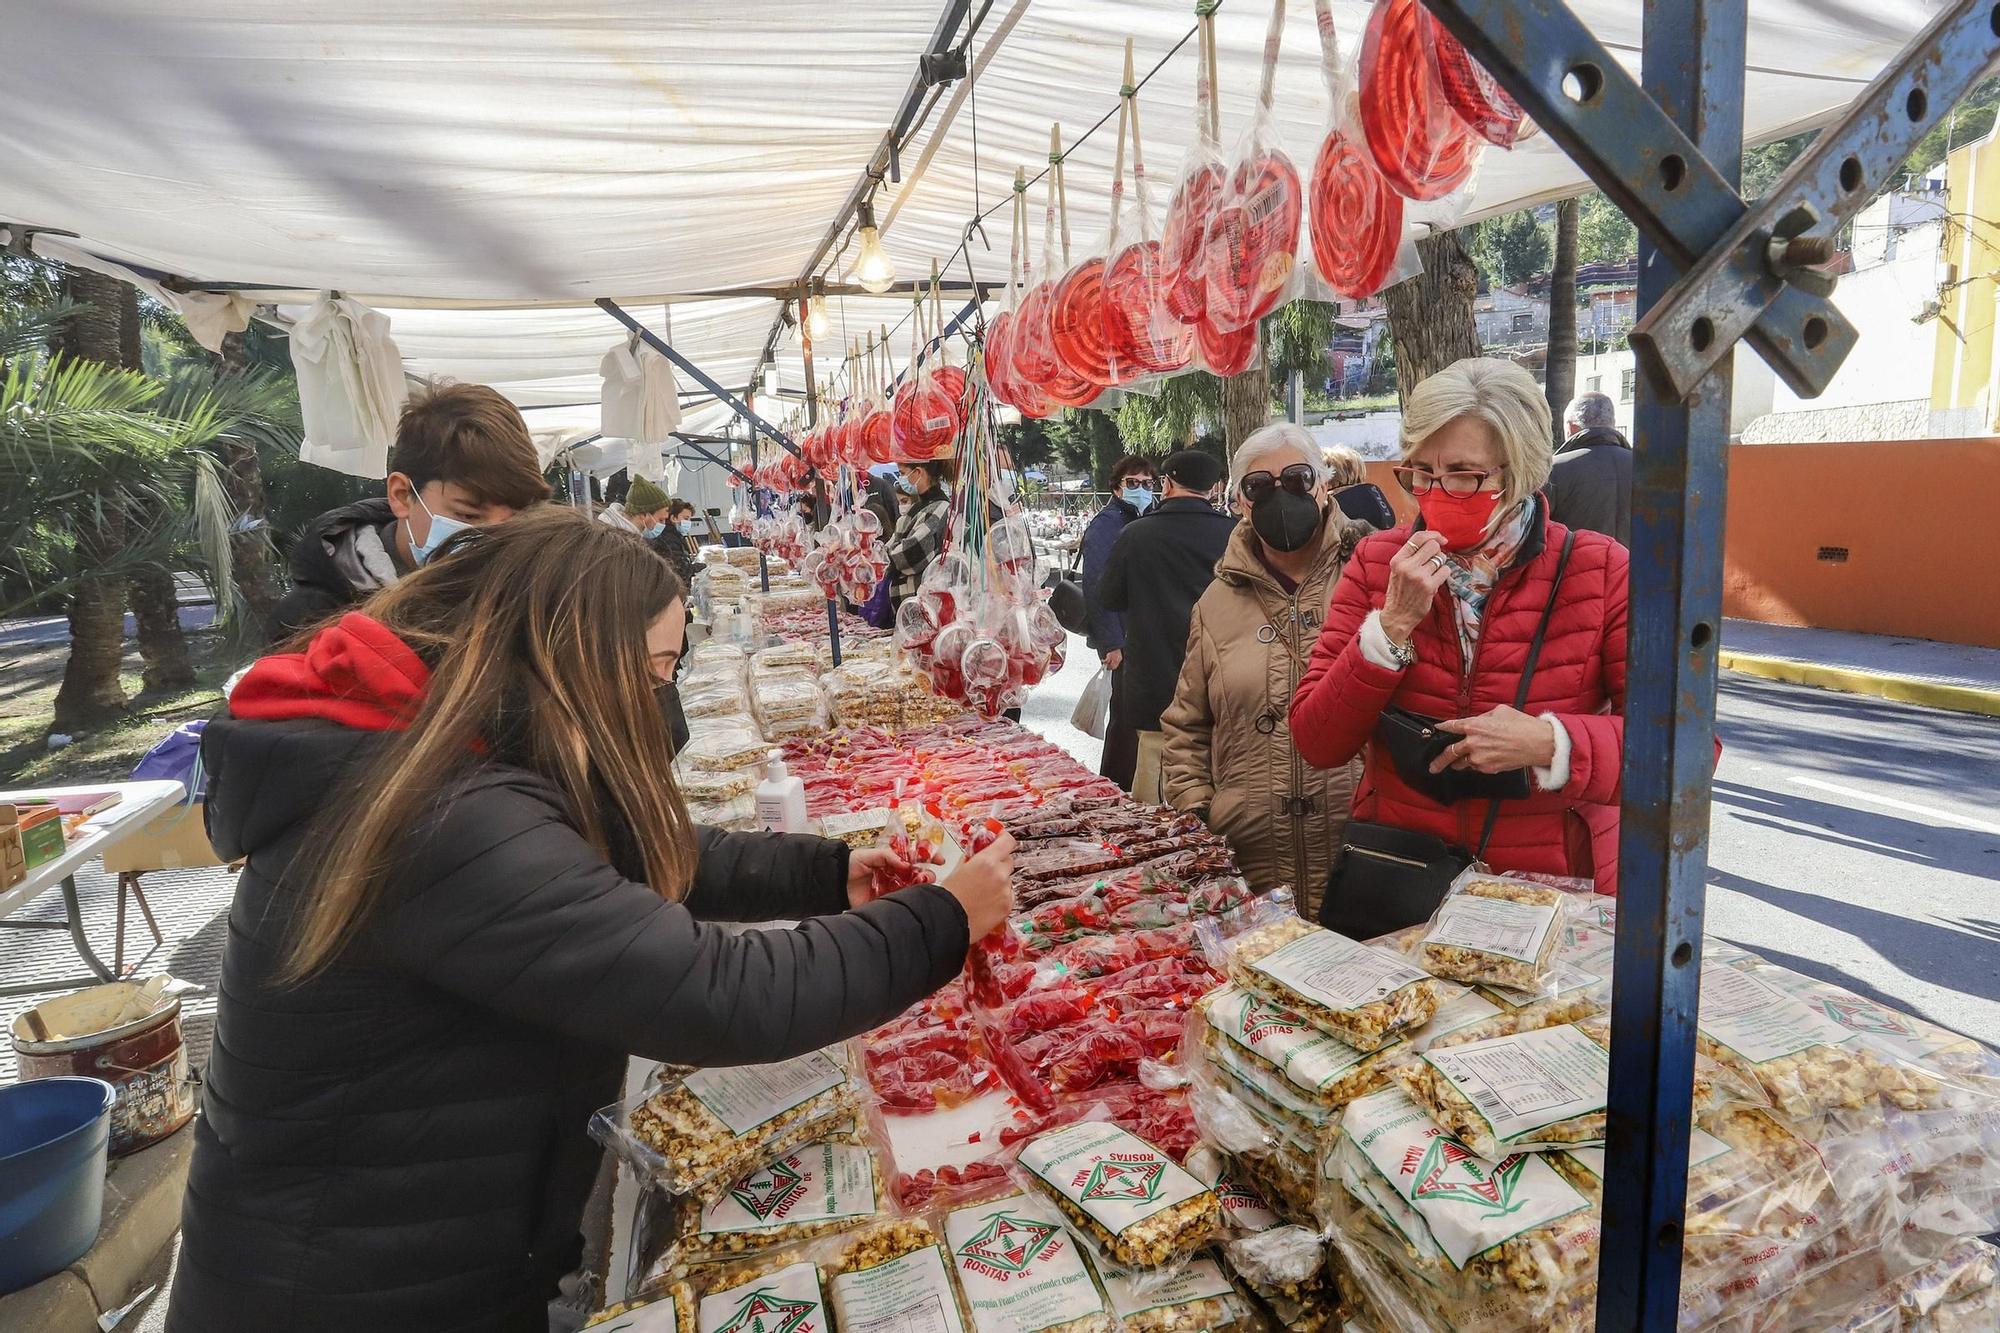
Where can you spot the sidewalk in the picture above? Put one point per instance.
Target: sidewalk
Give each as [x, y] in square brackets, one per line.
[1919, 671]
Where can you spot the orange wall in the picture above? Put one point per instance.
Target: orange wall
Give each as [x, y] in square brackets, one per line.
[1920, 520]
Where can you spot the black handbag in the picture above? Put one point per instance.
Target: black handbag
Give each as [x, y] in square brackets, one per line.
[1413, 741]
[1385, 878]
[1066, 596]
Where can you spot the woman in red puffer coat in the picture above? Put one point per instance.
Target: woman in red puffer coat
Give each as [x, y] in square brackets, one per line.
[1437, 619]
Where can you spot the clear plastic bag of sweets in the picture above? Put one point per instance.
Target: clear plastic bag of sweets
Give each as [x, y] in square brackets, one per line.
[1495, 931]
[1020, 1268]
[1355, 992]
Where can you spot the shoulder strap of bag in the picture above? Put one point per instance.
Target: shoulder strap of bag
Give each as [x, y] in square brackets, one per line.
[1528, 675]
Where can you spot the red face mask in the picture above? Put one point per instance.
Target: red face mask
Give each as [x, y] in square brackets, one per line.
[1461, 520]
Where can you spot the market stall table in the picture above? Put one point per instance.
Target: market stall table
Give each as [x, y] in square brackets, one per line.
[138, 802]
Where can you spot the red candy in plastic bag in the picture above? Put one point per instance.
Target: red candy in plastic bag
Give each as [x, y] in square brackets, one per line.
[1253, 241]
[1470, 91]
[1357, 220]
[1229, 353]
[1420, 144]
[1076, 323]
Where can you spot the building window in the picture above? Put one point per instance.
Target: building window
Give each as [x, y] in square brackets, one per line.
[1628, 380]
[1524, 322]
[1595, 384]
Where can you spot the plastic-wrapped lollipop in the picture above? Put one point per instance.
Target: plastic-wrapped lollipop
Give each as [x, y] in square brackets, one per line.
[1010, 545]
[948, 658]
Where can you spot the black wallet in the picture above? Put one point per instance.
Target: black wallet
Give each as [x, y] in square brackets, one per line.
[1413, 741]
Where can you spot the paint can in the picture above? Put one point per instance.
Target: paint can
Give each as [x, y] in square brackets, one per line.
[126, 1034]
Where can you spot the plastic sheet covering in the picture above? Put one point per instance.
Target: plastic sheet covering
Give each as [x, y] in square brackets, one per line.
[465, 154]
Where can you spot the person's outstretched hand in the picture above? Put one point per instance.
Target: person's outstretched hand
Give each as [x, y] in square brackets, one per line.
[984, 887]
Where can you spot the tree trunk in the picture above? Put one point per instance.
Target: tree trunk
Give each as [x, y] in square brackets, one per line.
[1430, 315]
[1246, 404]
[255, 559]
[162, 644]
[1560, 373]
[90, 692]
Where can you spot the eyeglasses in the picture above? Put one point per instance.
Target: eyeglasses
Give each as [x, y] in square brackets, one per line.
[1298, 479]
[1460, 484]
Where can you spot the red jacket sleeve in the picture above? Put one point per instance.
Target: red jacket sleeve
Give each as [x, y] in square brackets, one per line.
[1343, 693]
[1597, 740]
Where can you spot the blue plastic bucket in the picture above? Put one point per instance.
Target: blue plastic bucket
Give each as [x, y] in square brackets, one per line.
[53, 1135]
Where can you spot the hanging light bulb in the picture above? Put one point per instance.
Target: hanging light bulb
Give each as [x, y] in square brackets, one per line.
[818, 323]
[873, 269]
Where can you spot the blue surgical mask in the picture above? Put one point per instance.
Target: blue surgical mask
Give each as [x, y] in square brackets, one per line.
[1139, 497]
[653, 531]
[689, 527]
[903, 485]
[443, 529]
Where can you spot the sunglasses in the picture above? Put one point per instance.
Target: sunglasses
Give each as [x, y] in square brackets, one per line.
[1298, 479]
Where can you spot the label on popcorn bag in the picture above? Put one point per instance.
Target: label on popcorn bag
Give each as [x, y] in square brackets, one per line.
[1117, 1180]
[788, 1299]
[1020, 1267]
[1337, 972]
[1307, 1056]
[1468, 1203]
[820, 1183]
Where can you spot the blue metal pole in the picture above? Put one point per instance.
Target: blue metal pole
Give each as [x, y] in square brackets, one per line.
[1693, 69]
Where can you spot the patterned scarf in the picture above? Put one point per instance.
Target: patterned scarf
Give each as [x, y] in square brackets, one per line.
[1473, 573]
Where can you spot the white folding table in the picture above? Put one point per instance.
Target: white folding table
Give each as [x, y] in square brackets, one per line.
[138, 803]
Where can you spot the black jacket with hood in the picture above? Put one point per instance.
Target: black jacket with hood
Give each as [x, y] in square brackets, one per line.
[1590, 484]
[342, 556]
[399, 1143]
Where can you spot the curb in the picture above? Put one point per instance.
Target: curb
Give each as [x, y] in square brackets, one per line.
[1849, 680]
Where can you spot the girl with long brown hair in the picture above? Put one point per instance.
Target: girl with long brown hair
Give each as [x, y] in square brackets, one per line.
[471, 891]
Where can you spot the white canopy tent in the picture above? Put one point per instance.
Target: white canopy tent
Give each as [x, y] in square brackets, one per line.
[481, 172]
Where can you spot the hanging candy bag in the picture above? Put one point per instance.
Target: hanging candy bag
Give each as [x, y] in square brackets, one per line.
[1417, 140]
[1253, 237]
[1003, 334]
[1356, 219]
[1182, 255]
[1142, 335]
[1476, 96]
[1042, 349]
[923, 421]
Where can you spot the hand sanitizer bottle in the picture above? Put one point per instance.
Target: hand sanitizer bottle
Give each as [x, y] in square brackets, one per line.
[781, 798]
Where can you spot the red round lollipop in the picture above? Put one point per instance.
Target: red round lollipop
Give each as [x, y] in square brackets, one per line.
[951, 380]
[1419, 143]
[1181, 244]
[877, 430]
[1006, 384]
[1470, 91]
[1253, 241]
[1226, 353]
[922, 421]
[1076, 323]
[1141, 332]
[1034, 356]
[1356, 220]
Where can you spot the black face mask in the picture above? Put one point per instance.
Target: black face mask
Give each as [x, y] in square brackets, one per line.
[1286, 522]
[669, 697]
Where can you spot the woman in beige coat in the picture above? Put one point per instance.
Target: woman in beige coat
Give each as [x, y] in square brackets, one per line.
[1228, 754]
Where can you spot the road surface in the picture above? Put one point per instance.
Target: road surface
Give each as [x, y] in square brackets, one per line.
[1853, 839]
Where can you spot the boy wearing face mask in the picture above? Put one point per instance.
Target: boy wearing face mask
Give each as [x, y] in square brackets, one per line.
[643, 510]
[462, 459]
[1131, 495]
[1228, 755]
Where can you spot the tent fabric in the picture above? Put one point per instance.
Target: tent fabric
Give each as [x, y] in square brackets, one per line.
[351, 386]
[481, 172]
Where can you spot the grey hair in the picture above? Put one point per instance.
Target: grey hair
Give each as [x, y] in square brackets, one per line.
[1591, 409]
[1343, 466]
[1502, 395]
[1268, 440]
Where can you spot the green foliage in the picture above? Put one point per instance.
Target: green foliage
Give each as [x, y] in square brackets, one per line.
[1604, 235]
[1966, 123]
[1512, 248]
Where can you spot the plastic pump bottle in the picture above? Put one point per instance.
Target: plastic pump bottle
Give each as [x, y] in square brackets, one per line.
[781, 798]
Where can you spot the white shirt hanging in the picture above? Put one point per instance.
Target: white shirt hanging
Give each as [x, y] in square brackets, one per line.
[351, 386]
[641, 399]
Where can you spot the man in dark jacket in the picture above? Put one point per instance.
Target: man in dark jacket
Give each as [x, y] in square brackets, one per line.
[1131, 495]
[463, 458]
[1159, 567]
[1590, 485]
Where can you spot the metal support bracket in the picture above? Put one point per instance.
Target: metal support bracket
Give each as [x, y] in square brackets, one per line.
[1683, 337]
[691, 444]
[659, 344]
[1586, 102]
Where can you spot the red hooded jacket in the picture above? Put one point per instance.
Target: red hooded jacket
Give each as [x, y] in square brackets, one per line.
[354, 672]
[1580, 678]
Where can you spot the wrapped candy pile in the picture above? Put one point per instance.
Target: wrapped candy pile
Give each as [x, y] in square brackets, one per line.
[848, 558]
[1434, 1103]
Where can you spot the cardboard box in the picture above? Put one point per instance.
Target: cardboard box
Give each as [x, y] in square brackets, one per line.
[175, 839]
[13, 859]
[41, 833]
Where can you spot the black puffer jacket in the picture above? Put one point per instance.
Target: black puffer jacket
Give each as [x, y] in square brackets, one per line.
[399, 1144]
[340, 558]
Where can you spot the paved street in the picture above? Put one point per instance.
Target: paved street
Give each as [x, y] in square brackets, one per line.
[1854, 839]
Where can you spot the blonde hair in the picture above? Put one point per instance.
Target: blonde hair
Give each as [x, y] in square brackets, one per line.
[1268, 440]
[1502, 395]
[1344, 467]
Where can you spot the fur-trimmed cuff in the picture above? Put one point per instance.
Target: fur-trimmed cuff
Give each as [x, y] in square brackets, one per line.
[1375, 643]
[1556, 776]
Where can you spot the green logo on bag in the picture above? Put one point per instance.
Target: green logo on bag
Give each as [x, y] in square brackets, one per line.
[1450, 1173]
[765, 1311]
[1124, 1182]
[1008, 1244]
[1261, 1019]
[764, 1193]
[1857, 1015]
